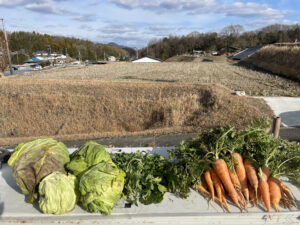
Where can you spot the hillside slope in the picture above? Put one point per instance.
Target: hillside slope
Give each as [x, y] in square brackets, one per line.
[281, 60]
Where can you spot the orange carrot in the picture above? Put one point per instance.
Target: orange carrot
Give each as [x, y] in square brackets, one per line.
[252, 196]
[236, 183]
[234, 179]
[259, 197]
[275, 192]
[286, 190]
[264, 187]
[221, 170]
[203, 191]
[209, 184]
[224, 200]
[217, 184]
[251, 175]
[241, 174]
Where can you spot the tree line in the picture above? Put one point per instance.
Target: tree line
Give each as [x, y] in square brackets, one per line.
[27, 43]
[233, 36]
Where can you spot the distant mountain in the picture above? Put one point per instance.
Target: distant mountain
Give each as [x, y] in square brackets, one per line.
[116, 45]
[129, 50]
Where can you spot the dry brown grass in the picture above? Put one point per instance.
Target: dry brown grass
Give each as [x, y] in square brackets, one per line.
[236, 78]
[282, 60]
[70, 110]
[189, 58]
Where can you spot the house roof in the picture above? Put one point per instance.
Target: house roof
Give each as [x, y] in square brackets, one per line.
[246, 52]
[33, 60]
[150, 57]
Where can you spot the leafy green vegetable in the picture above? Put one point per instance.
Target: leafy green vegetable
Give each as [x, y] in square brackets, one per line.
[281, 156]
[89, 154]
[195, 156]
[57, 193]
[32, 161]
[148, 177]
[101, 187]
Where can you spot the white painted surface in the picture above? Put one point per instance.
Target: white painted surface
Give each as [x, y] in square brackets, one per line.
[172, 210]
[158, 150]
[288, 108]
[146, 59]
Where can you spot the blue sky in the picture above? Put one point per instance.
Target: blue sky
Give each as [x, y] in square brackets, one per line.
[136, 22]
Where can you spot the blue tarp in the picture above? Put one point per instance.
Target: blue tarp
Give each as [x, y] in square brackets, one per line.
[33, 60]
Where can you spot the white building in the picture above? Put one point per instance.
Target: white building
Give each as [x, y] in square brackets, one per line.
[112, 59]
[44, 56]
[147, 59]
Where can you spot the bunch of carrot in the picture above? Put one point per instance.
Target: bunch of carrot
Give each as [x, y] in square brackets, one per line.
[242, 166]
[244, 184]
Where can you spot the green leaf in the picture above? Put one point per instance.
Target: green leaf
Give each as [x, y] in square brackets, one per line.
[162, 188]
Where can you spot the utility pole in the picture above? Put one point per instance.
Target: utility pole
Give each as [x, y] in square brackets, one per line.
[7, 48]
[137, 53]
[51, 61]
[79, 56]
[2, 63]
[66, 51]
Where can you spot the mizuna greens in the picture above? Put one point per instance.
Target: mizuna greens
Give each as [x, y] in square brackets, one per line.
[147, 176]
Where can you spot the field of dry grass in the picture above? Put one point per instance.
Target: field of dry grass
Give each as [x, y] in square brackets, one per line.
[234, 77]
[79, 110]
[282, 60]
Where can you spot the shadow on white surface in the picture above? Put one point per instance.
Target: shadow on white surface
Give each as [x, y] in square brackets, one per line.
[7, 176]
[291, 118]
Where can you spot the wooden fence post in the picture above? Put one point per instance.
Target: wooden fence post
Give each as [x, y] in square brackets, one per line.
[276, 126]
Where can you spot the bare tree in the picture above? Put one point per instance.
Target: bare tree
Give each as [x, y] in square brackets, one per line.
[232, 30]
[231, 34]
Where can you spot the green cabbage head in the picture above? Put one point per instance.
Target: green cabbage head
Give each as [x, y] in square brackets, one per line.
[88, 154]
[57, 193]
[101, 187]
[32, 161]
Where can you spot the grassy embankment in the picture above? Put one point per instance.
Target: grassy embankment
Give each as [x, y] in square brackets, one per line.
[281, 60]
[79, 110]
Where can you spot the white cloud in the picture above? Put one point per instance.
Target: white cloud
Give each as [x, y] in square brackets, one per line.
[238, 9]
[40, 6]
[136, 35]
[131, 4]
[86, 17]
[10, 3]
[254, 24]
[251, 9]
[47, 7]
[166, 5]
